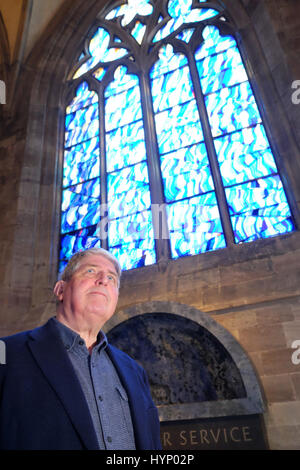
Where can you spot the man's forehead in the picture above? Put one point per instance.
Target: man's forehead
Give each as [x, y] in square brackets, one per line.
[95, 260]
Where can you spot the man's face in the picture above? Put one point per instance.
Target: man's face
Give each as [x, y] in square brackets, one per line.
[92, 292]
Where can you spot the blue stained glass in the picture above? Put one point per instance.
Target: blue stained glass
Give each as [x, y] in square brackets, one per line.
[135, 254]
[100, 52]
[129, 177]
[81, 162]
[264, 192]
[243, 142]
[138, 31]
[128, 190]
[171, 89]
[221, 70]
[182, 12]
[84, 97]
[99, 73]
[131, 240]
[213, 43]
[258, 207]
[168, 29]
[232, 109]
[130, 202]
[186, 173]
[183, 9]
[248, 227]
[188, 184]
[122, 82]
[248, 167]
[137, 247]
[81, 125]
[116, 104]
[178, 127]
[189, 213]
[129, 10]
[194, 222]
[195, 226]
[79, 240]
[80, 206]
[167, 62]
[185, 159]
[185, 35]
[207, 237]
[133, 227]
[245, 155]
[125, 145]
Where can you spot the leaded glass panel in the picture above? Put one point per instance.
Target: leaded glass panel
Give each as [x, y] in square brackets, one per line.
[127, 176]
[81, 162]
[183, 157]
[195, 226]
[80, 205]
[81, 173]
[242, 146]
[162, 110]
[79, 240]
[82, 125]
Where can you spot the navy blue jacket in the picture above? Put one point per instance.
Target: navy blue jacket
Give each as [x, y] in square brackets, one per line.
[42, 406]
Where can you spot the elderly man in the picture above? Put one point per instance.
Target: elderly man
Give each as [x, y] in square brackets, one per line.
[63, 386]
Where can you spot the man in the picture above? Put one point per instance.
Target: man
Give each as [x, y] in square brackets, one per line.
[63, 386]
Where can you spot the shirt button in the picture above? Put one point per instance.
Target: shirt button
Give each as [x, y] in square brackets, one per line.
[100, 398]
[81, 342]
[109, 439]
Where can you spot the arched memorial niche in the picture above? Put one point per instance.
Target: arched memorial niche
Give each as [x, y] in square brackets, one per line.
[201, 380]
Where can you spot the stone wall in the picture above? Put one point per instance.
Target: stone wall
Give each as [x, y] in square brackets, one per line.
[255, 294]
[253, 290]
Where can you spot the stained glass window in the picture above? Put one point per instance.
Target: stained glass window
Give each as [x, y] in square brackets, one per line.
[162, 129]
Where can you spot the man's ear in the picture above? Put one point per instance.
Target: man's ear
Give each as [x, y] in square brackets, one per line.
[59, 290]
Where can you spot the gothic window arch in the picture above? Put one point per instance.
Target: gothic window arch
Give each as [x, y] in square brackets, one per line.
[165, 152]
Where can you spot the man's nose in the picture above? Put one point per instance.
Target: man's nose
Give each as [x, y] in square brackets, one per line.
[101, 278]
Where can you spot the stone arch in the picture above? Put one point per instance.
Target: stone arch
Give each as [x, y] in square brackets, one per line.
[184, 339]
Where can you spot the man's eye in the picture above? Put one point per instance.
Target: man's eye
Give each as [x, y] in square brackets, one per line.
[90, 270]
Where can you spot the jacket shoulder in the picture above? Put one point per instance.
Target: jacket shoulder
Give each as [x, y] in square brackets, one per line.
[15, 344]
[16, 339]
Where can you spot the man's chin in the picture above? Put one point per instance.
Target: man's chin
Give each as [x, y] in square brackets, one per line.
[100, 312]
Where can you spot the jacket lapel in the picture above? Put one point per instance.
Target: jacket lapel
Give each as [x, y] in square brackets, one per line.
[135, 397]
[52, 358]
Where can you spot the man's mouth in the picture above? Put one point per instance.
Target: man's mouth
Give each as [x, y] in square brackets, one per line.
[98, 292]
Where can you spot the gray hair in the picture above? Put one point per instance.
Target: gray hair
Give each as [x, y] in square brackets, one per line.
[76, 260]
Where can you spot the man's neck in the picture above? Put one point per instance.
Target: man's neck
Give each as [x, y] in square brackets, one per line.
[88, 334]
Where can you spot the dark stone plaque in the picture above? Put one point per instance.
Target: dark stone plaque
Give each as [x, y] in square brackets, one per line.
[184, 362]
[223, 433]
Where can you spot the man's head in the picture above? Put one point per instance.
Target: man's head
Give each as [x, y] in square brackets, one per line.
[77, 259]
[88, 288]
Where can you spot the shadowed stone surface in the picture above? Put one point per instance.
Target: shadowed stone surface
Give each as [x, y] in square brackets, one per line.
[185, 363]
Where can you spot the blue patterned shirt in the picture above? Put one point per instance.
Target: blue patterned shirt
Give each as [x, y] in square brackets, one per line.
[106, 398]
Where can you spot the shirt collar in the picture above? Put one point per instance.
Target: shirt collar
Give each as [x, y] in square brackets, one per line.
[71, 339]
